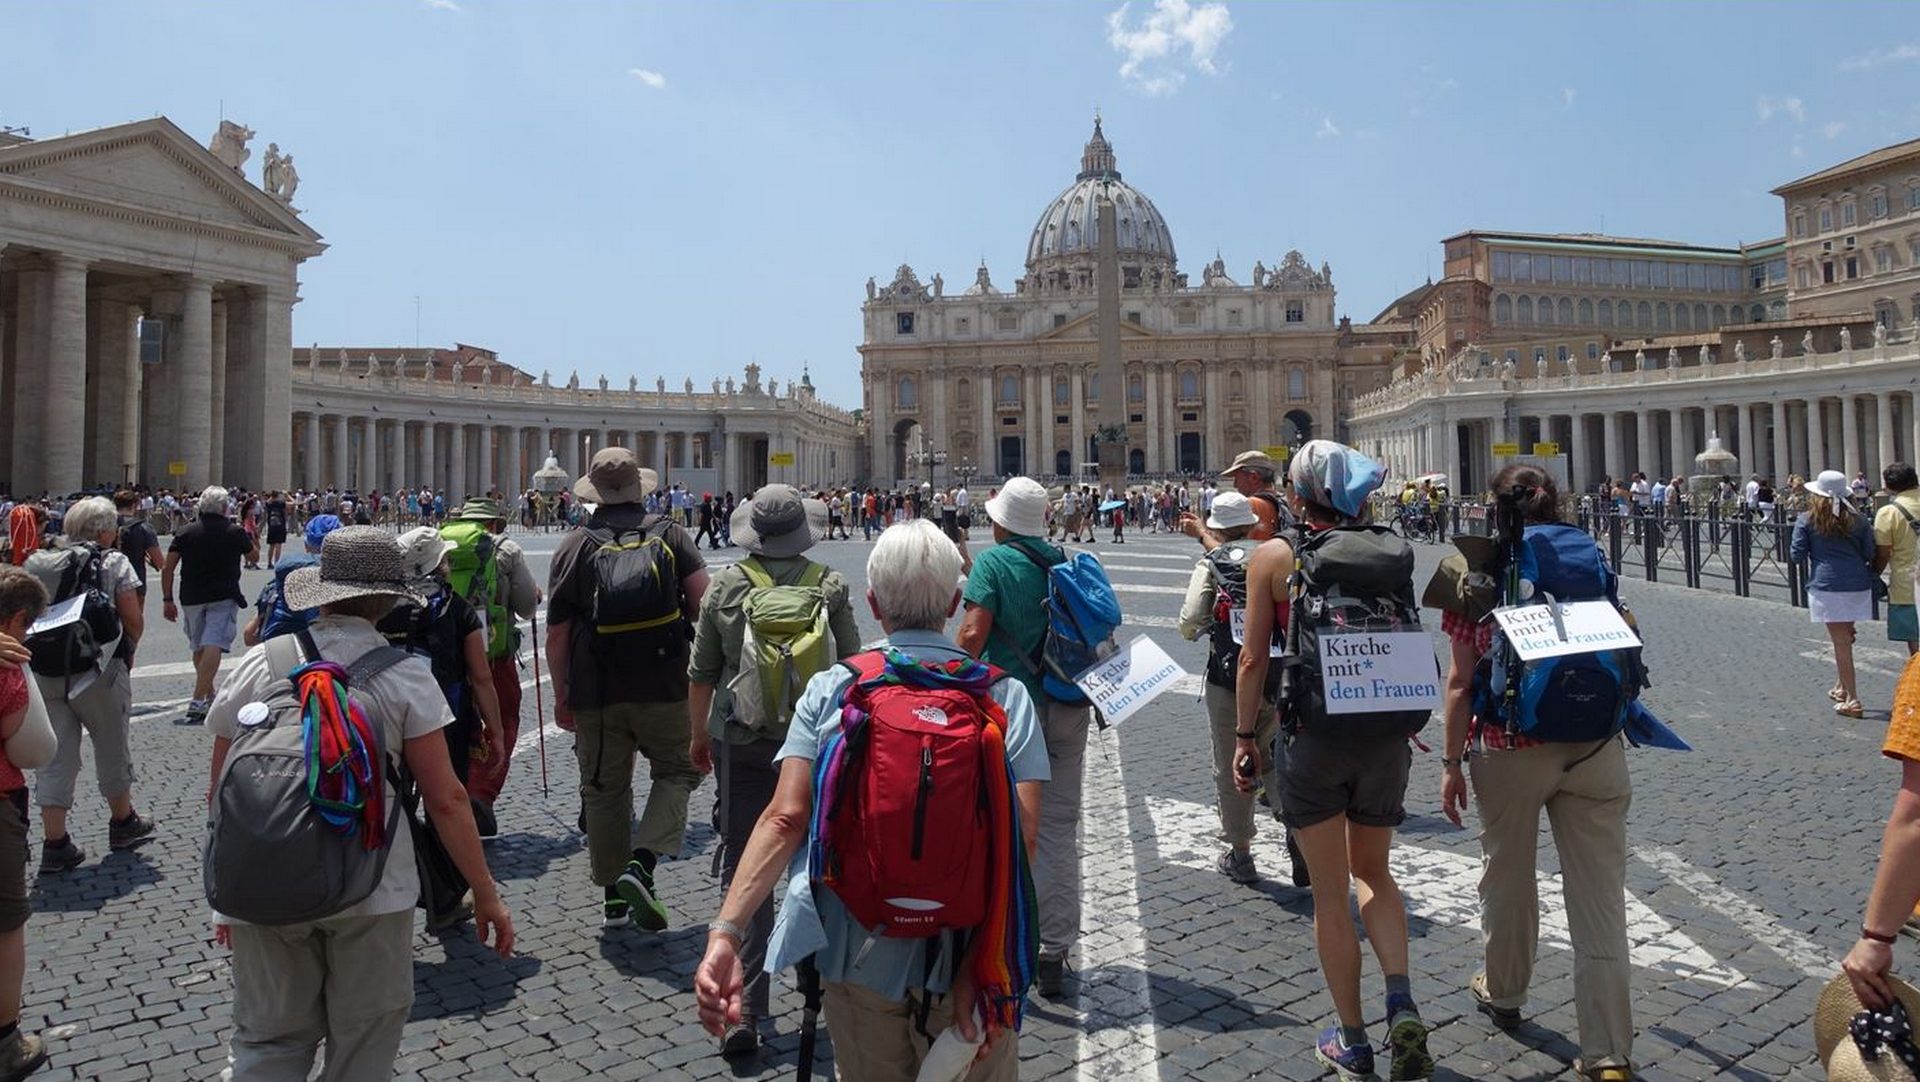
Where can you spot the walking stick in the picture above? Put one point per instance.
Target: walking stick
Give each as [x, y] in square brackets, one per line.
[539, 704]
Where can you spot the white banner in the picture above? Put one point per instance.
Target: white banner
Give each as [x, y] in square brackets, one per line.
[1133, 677]
[1237, 625]
[1583, 627]
[1364, 671]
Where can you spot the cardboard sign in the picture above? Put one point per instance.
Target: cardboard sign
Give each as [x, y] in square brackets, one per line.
[1582, 627]
[1133, 677]
[1237, 627]
[1365, 671]
[59, 616]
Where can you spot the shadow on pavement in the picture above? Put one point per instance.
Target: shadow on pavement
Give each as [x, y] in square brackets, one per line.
[1728, 1068]
[91, 886]
[473, 981]
[528, 856]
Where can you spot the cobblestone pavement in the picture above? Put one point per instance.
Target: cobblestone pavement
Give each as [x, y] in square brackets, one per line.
[1751, 860]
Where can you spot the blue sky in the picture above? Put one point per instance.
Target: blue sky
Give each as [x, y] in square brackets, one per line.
[677, 189]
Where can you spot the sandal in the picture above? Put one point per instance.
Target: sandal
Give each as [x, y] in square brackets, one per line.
[1838, 695]
[1611, 1072]
[1850, 708]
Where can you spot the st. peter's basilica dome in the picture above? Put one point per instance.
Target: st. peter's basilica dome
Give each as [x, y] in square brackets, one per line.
[1068, 230]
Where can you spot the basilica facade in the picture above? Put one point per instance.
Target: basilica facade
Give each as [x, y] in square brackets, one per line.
[988, 383]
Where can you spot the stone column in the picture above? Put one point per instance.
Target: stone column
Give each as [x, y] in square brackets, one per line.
[428, 475]
[193, 439]
[217, 401]
[109, 336]
[1077, 406]
[338, 470]
[1214, 454]
[1883, 433]
[369, 480]
[489, 446]
[312, 476]
[1038, 404]
[133, 390]
[1609, 445]
[1643, 428]
[1782, 445]
[515, 480]
[1850, 434]
[58, 420]
[456, 463]
[1450, 448]
[1150, 387]
[1576, 453]
[1816, 437]
[1749, 446]
[1677, 439]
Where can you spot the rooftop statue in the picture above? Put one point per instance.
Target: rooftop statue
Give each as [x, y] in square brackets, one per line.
[230, 144]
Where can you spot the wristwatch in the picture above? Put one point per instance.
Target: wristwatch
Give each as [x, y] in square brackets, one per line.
[1449, 764]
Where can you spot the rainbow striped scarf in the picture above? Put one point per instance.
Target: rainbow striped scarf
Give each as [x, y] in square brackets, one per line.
[1006, 946]
[344, 783]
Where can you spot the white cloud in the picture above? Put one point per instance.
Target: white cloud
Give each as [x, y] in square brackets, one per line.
[652, 78]
[1175, 35]
[1832, 128]
[1328, 129]
[441, 5]
[1899, 54]
[1567, 94]
[1768, 108]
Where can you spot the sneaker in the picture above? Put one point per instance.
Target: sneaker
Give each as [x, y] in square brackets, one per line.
[1299, 861]
[635, 885]
[1504, 1017]
[615, 913]
[196, 712]
[1407, 1044]
[1238, 866]
[63, 857]
[454, 916]
[1050, 975]
[741, 1039]
[129, 832]
[20, 1055]
[1353, 1064]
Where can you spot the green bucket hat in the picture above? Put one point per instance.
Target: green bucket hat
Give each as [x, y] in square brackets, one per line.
[480, 510]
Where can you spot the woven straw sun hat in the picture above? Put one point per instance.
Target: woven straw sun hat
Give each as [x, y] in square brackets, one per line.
[1831, 1039]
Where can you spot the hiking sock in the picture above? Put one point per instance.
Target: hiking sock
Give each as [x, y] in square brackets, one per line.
[1353, 1036]
[1399, 994]
[61, 842]
[609, 894]
[647, 861]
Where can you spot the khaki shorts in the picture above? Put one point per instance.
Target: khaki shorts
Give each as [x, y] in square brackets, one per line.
[1364, 780]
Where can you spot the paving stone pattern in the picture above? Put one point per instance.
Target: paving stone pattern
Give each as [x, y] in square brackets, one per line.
[1780, 806]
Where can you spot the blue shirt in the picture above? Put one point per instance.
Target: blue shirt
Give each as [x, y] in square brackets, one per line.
[816, 923]
[1841, 565]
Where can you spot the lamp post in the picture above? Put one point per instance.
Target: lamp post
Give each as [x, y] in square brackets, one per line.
[965, 471]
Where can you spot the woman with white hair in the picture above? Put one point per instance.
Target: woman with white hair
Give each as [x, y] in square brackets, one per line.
[886, 997]
[88, 690]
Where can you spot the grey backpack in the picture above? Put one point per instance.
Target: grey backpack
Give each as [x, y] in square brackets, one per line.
[270, 858]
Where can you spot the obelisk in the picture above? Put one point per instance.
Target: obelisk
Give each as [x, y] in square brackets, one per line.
[1111, 435]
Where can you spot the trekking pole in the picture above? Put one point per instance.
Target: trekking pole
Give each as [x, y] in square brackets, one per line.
[539, 703]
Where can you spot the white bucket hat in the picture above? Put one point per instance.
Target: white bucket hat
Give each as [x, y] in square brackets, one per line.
[1831, 484]
[1021, 507]
[1231, 509]
[425, 549]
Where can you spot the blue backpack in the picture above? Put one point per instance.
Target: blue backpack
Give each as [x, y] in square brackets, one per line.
[276, 618]
[1575, 698]
[1083, 613]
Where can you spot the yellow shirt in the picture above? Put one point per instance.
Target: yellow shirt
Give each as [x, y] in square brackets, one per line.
[1891, 528]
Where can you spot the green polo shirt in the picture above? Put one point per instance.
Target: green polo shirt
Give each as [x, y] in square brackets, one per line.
[1010, 587]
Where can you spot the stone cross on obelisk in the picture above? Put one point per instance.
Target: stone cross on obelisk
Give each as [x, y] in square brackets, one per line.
[1111, 436]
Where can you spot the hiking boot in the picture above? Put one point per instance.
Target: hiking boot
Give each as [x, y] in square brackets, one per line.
[741, 1039]
[615, 912]
[1237, 865]
[1350, 1064]
[129, 832]
[1050, 975]
[1299, 861]
[20, 1055]
[1407, 1044]
[1504, 1017]
[452, 917]
[196, 712]
[635, 885]
[61, 856]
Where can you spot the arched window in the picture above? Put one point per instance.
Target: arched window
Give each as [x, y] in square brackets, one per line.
[1235, 386]
[1756, 314]
[1719, 315]
[1586, 312]
[1543, 309]
[1136, 389]
[1663, 317]
[1606, 313]
[1526, 309]
[1009, 389]
[1503, 309]
[964, 389]
[1682, 317]
[1643, 314]
[1776, 310]
[1699, 317]
[1566, 311]
[1296, 383]
[1189, 384]
[1093, 389]
[907, 393]
[1060, 390]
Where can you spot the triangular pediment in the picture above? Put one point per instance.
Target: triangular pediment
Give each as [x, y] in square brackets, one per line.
[1082, 327]
[152, 166]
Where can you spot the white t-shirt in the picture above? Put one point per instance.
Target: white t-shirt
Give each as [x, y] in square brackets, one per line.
[961, 499]
[1753, 493]
[1642, 492]
[405, 699]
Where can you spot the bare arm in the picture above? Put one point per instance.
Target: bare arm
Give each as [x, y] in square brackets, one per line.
[1459, 714]
[975, 626]
[485, 695]
[693, 588]
[166, 576]
[1882, 555]
[154, 557]
[782, 829]
[446, 802]
[133, 618]
[1266, 583]
[699, 706]
[559, 656]
[1028, 793]
[220, 746]
[251, 633]
[1896, 887]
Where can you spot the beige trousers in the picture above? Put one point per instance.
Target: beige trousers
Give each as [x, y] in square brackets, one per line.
[876, 1039]
[1587, 808]
[347, 981]
[605, 742]
[1236, 807]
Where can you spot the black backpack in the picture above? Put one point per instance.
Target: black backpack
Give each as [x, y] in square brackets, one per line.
[1348, 578]
[636, 581]
[1228, 565]
[73, 648]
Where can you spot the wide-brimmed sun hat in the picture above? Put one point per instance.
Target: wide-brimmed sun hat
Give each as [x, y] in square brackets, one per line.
[1831, 484]
[1020, 507]
[615, 477]
[1250, 460]
[1832, 1017]
[777, 522]
[425, 548]
[1230, 509]
[480, 509]
[355, 561]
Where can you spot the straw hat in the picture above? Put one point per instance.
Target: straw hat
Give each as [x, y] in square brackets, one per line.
[355, 561]
[1831, 1017]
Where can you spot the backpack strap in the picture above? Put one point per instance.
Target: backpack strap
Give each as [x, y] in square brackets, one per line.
[1912, 523]
[756, 573]
[373, 663]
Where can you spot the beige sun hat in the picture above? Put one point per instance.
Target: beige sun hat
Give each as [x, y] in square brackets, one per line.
[355, 561]
[1831, 1018]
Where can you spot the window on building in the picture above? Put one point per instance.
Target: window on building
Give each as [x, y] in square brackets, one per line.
[1296, 383]
[1877, 204]
[1565, 311]
[1593, 351]
[1602, 272]
[1189, 384]
[1456, 310]
[1758, 314]
[1187, 317]
[1826, 219]
[1093, 389]
[1236, 386]
[1799, 226]
[1846, 215]
[907, 394]
[1133, 318]
[1663, 317]
[1682, 317]
[964, 389]
[1643, 315]
[1296, 312]
[1642, 271]
[1586, 312]
[1757, 275]
[1719, 314]
[1696, 276]
[1561, 353]
[1853, 267]
[1699, 317]
[1776, 271]
[963, 325]
[903, 323]
[1882, 260]
[1233, 317]
[1543, 309]
[1563, 268]
[1802, 278]
[1913, 251]
[1009, 390]
[1522, 267]
[1658, 274]
[1913, 197]
[1136, 389]
[1501, 268]
[1622, 273]
[1583, 270]
[1513, 356]
[1060, 392]
[1523, 311]
[1606, 313]
[1059, 319]
[1539, 358]
[1826, 272]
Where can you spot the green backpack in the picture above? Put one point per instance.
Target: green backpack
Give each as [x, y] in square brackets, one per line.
[784, 645]
[474, 574]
